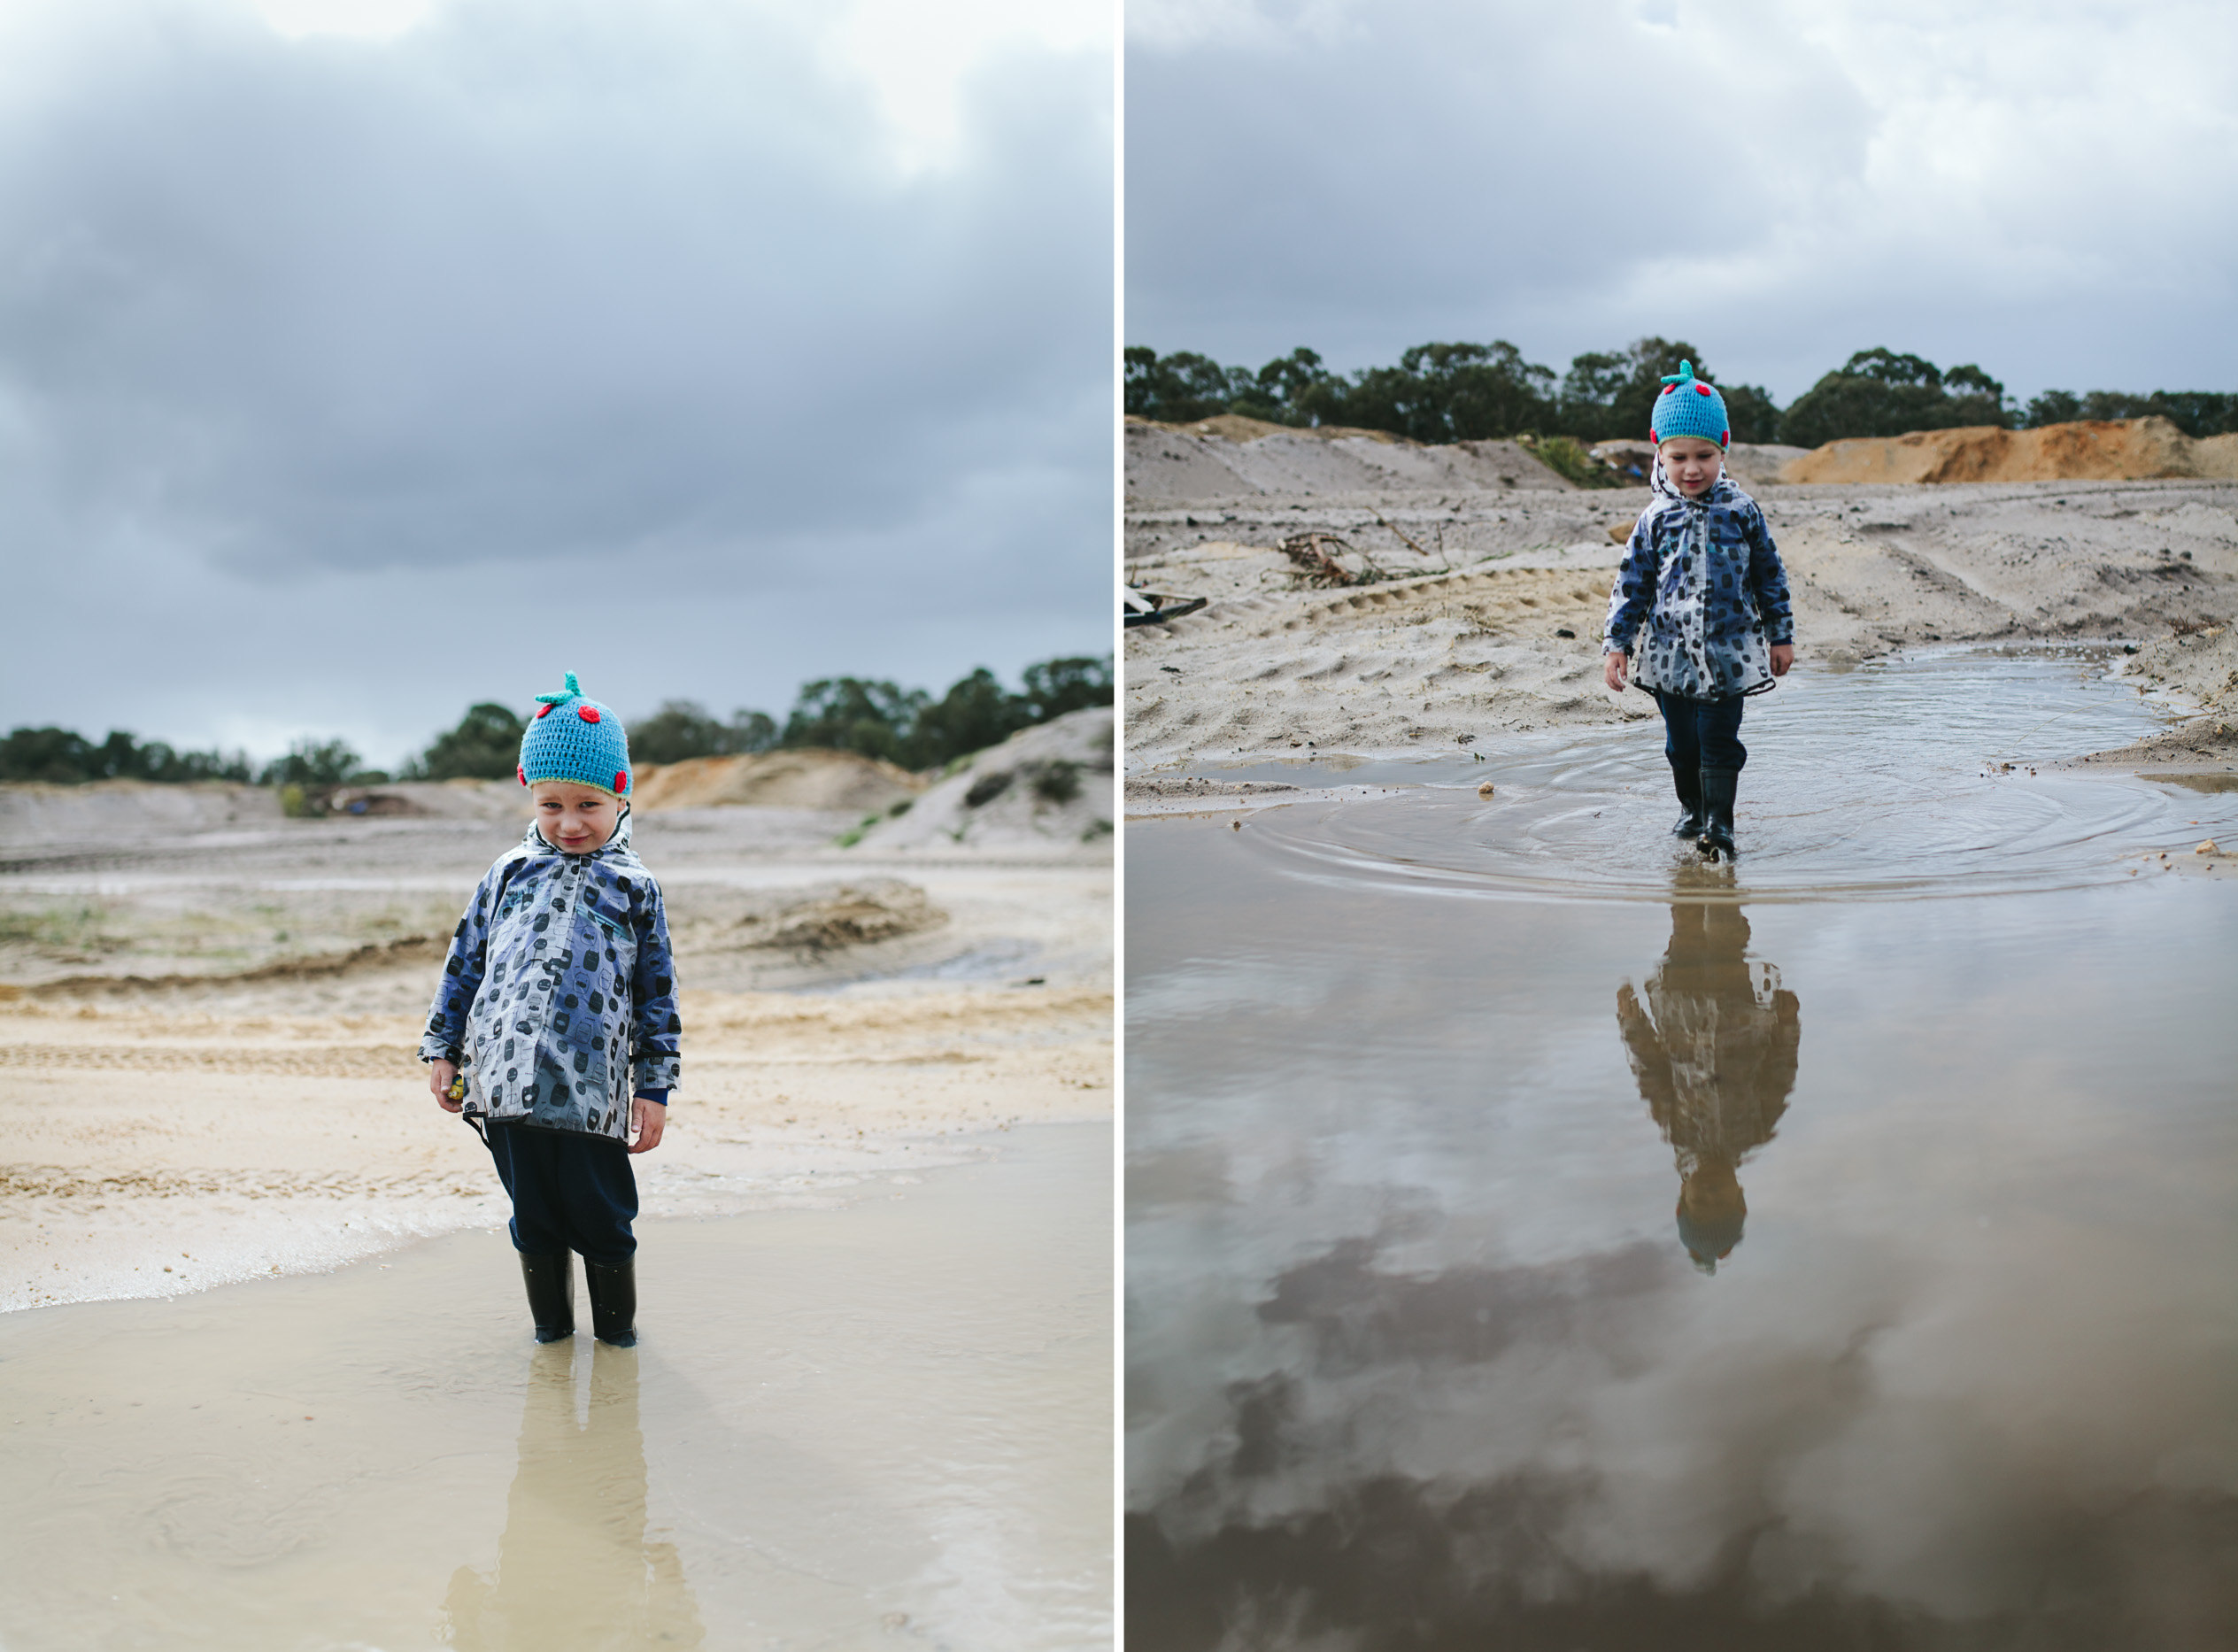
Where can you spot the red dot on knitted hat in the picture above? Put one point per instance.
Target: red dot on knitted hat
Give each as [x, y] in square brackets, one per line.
[1725, 438]
[620, 780]
[589, 713]
[544, 710]
[1701, 389]
[523, 773]
[1669, 388]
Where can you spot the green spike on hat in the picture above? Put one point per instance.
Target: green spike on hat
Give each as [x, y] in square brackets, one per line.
[1689, 407]
[585, 743]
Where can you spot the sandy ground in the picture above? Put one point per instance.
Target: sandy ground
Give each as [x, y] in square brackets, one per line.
[206, 1035]
[1493, 625]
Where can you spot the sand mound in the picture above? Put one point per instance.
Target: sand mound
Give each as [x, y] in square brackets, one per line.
[2112, 450]
[1231, 457]
[433, 800]
[35, 812]
[827, 916]
[806, 779]
[1043, 786]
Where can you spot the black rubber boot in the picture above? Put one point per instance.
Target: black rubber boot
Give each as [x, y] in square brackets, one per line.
[551, 1294]
[1688, 785]
[613, 1302]
[1718, 787]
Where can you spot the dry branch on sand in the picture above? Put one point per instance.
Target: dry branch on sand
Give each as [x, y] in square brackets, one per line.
[1311, 552]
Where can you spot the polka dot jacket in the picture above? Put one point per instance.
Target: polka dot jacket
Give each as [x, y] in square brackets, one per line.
[1704, 581]
[560, 993]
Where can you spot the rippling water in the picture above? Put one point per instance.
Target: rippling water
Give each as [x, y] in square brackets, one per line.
[1896, 778]
[1749, 1260]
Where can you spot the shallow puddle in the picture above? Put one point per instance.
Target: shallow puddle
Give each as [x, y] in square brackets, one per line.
[883, 1426]
[1759, 1261]
[1898, 778]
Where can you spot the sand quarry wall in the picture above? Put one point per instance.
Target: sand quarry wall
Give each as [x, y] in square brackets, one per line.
[2107, 449]
[808, 778]
[1231, 457]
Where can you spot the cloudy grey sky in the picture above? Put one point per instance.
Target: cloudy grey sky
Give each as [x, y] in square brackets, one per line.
[2048, 188]
[362, 359]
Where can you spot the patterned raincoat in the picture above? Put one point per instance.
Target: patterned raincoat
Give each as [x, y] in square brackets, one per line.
[1705, 580]
[560, 993]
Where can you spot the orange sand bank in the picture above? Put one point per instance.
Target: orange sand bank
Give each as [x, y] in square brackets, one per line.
[2106, 450]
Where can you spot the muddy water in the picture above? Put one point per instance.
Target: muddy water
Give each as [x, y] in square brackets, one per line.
[1766, 1257]
[884, 1425]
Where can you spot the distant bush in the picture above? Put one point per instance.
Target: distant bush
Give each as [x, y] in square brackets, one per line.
[1442, 392]
[907, 726]
[317, 765]
[1465, 392]
[2195, 412]
[1877, 393]
[65, 758]
[875, 718]
[684, 728]
[485, 746]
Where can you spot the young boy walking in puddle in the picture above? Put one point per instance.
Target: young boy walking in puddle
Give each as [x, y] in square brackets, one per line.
[559, 1002]
[1701, 574]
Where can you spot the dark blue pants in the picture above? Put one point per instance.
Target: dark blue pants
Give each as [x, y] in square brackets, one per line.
[569, 1192]
[1702, 733]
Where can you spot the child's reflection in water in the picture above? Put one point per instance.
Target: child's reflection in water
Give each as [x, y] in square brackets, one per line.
[574, 1568]
[1713, 1047]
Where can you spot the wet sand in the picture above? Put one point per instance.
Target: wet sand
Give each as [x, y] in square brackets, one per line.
[1499, 635]
[1536, 1238]
[883, 1424]
[207, 1037]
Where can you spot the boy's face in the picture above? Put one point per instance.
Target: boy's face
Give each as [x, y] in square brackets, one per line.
[578, 818]
[1692, 464]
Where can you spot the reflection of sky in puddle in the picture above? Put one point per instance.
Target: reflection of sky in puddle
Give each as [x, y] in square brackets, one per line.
[1417, 1354]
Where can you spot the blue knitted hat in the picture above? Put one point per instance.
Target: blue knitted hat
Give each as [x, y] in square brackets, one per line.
[1689, 407]
[577, 739]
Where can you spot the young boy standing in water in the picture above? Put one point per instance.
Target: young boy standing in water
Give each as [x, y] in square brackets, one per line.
[559, 1000]
[1702, 576]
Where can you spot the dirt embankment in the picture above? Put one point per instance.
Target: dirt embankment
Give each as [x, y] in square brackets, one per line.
[2114, 450]
[1047, 786]
[1236, 458]
[808, 778]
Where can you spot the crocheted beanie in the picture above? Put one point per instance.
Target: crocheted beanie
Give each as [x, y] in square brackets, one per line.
[1689, 407]
[577, 739]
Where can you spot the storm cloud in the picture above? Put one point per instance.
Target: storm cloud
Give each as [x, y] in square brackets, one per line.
[344, 379]
[2050, 190]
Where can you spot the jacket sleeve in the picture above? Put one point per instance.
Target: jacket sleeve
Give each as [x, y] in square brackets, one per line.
[657, 1033]
[1633, 596]
[1768, 578]
[445, 1039]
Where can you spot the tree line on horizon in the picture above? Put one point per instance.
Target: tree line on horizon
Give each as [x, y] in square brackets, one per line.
[1462, 392]
[871, 717]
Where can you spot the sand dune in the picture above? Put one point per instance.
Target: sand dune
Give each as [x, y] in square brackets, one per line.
[805, 779]
[2097, 450]
[1231, 457]
[1043, 787]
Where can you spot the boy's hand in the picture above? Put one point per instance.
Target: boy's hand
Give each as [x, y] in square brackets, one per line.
[441, 1077]
[1783, 655]
[1613, 668]
[648, 1119]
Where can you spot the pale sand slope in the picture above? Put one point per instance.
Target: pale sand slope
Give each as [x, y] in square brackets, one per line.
[252, 1102]
[1444, 660]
